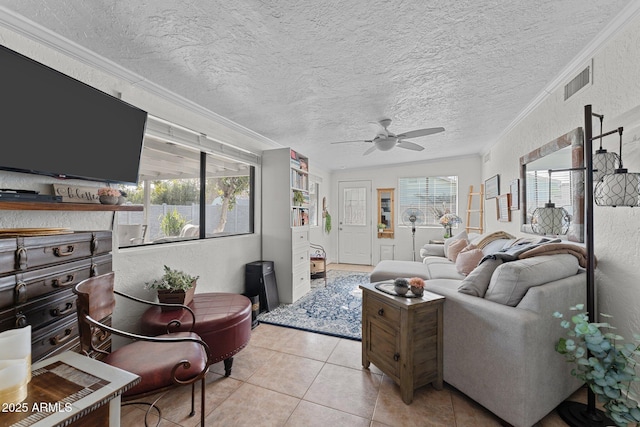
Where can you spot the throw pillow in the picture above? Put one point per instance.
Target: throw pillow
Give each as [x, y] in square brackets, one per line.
[468, 259]
[477, 282]
[511, 281]
[447, 242]
[455, 248]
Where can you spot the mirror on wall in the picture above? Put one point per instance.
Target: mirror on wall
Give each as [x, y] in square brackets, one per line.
[385, 212]
[567, 187]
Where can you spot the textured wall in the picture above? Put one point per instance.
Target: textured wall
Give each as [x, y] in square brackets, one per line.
[616, 90]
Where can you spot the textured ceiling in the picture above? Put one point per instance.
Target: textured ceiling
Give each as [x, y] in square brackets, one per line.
[305, 73]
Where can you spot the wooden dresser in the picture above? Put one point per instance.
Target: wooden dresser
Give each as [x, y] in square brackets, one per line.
[403, 338]
[37, 274]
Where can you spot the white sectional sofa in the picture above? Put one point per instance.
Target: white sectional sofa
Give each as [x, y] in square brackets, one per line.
[500, 336]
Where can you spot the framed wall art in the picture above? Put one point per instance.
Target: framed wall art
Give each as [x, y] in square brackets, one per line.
[502, 204]
[514, 189]
[492, 187]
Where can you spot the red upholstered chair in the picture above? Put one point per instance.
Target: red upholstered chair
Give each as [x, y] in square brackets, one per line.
[162, 362]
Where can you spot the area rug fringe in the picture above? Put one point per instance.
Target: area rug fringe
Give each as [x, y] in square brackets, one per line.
[335, 310]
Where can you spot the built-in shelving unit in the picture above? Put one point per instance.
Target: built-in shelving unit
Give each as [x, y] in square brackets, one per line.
[45, 206]
[285, 220]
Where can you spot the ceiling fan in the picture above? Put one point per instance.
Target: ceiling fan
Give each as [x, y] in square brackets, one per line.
[385, 140]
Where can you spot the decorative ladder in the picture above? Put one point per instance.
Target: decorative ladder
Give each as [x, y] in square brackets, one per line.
[478, 209]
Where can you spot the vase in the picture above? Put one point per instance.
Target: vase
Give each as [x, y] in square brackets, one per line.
[417, 291]
[401, 286]
[447, 232]
[109, 200]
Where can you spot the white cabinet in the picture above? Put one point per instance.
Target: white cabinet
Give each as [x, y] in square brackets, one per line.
[285, 220]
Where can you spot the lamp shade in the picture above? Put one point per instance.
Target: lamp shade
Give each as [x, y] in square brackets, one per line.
[550, 220]
[604, 163]
[618, 189]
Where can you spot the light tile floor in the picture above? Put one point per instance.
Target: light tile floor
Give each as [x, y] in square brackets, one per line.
[286, 377]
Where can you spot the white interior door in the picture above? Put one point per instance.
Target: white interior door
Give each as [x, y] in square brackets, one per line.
[354, 222]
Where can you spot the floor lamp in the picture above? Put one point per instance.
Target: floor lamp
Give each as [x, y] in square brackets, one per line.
[625, 193]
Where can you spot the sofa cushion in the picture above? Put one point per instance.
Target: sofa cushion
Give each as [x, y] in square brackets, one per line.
[511, 280]
[468, 259]
[447, 242]
[455, 248]
[477, 282]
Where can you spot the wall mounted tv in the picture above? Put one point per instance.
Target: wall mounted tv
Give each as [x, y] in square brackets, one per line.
[52, 124]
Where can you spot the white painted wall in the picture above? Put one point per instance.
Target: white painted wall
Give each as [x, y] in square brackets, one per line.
[615, 90]
[468, 170]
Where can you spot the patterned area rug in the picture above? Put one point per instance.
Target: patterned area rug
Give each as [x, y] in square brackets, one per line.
[335, 310]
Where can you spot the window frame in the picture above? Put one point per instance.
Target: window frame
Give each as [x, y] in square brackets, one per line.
[427, 208]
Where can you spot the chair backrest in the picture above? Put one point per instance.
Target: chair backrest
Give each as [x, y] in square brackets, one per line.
[190, 230]
[131, 234]
[96, 300]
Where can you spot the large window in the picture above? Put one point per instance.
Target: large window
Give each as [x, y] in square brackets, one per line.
[186, 193]
[429, 195]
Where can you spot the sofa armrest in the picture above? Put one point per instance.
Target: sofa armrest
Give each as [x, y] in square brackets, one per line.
[504, 357]
[432, 249]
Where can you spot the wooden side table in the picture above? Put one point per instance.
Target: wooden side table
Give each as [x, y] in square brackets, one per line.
[70, 389]
[403, 338]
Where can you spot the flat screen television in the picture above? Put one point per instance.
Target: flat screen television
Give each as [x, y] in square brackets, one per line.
[55, 125]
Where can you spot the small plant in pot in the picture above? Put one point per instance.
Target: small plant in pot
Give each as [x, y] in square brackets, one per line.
[174, 287]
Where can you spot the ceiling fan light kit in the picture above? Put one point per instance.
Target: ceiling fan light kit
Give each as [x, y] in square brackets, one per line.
[385, 140]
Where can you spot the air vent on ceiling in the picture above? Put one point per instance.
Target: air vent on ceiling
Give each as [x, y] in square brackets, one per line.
[578, 82]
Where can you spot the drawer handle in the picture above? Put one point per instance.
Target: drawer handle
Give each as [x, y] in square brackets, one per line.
[94, 244]
[94, 270]
[21, 258]
[68, 309]
[21, 293]
[57, 283]
[21, 321]
[396, 357]
[59, 251]
[60, 339]
[381, 312]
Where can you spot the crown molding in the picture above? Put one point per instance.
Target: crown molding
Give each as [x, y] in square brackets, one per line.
[629, 13]
[37, 33]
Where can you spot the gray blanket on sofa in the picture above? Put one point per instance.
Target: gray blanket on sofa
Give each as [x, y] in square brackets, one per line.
[526, 248]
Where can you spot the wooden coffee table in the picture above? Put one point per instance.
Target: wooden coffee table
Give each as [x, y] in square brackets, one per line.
[403, 338]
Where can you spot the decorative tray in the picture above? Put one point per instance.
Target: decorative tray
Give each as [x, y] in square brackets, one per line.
[388, 288]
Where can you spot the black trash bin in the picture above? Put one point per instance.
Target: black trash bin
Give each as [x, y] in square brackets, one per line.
[260, 279]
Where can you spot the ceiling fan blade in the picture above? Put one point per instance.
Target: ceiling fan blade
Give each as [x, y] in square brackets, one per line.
[357, 140]
[420, 132]
[369, 151]
[410, 146]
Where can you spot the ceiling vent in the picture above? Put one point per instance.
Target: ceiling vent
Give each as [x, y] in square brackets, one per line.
[580, 81]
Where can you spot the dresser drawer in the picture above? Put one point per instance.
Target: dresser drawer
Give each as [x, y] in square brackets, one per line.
[54, 338]
[24, 287]
[299, 238]
[25, 253]
[300, 255]
[379, 309]
[48, 309]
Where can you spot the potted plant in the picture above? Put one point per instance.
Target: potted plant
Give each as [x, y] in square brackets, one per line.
[416, 284]
[381, 227]
[298, 198]
[605, 364]
[174, 287]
